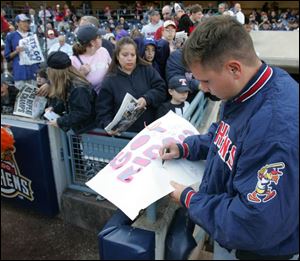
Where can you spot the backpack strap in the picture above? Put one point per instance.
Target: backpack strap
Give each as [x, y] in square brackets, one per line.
[79, 59]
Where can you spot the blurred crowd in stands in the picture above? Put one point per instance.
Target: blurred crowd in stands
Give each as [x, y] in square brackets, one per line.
[150, 32]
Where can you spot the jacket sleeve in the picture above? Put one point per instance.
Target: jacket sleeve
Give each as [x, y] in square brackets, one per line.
[162, 110]
[162, 54]
[247, 221]
[105, 110]
[174, 66]
[157, 93]
[198, 145]
[8, 47]
[80, 108]
[184, 24]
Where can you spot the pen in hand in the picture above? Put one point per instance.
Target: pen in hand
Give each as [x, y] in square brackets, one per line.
[166, 150]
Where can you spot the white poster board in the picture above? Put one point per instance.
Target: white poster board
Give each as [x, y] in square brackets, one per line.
[136, 178]
[32, 51]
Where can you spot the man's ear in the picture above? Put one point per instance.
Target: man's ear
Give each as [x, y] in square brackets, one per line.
[234, 67]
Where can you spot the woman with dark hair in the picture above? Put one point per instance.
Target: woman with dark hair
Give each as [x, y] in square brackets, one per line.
[67, 85]
[128, 73]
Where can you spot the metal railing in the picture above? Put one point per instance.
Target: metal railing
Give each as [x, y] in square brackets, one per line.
[86, 154]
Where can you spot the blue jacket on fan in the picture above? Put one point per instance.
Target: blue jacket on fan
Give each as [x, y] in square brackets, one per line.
[175, 67]
[20, 72]
[249, 195]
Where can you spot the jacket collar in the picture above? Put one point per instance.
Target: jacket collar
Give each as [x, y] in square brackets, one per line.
[257, 82]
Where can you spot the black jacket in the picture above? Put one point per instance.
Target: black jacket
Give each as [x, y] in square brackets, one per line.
[184, 24]
[8, 102]
[79, 108]
[144, 81]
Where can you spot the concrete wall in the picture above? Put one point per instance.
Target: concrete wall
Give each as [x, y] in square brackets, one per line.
[278, 48]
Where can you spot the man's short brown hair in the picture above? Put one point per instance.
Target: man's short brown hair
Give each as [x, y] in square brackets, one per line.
[217, 39]
[196, 8]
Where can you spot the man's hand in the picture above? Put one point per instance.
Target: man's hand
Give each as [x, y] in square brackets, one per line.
[43, 90]
[175, 195]
[169, 151]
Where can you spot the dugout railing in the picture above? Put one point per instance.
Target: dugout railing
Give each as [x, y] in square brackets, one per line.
[86, 154]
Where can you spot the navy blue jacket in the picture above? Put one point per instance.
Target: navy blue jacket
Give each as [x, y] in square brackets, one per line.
[249, 195]
[79, 109]
[175, 67]
[144, 81]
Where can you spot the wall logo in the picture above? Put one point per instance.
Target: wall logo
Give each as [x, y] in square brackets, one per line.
[13, 184]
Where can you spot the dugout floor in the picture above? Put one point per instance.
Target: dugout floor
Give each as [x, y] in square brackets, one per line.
[27, 235]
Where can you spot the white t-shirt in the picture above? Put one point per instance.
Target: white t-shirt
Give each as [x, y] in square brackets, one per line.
[99, 63]
[240, 17]
[66, 48]
[150, 29]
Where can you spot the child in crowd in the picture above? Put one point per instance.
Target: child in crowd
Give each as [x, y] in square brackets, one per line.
[41, 77]
[179, 89]
[156, 53]
[149, 52]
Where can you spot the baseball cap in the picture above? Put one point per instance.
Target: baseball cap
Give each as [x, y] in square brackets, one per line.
[153, 12]
[169, 22]
[7, 79]
[49, 32]
[178, 7]
[179, 83]
[87, 33]
[22, 17]
[58, 60]
[109, 35]
[148, 41]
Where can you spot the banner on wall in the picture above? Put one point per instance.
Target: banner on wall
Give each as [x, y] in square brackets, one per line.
[13, 184]
[136, 177]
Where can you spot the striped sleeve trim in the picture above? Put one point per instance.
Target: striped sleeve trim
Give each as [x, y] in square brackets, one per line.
[185, 150]
[188, 198]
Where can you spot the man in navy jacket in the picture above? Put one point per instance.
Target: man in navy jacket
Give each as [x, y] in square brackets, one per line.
[248, 200]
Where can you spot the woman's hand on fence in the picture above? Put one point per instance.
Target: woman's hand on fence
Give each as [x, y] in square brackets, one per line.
[53, 123]
[114, 133]
[49, 109]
